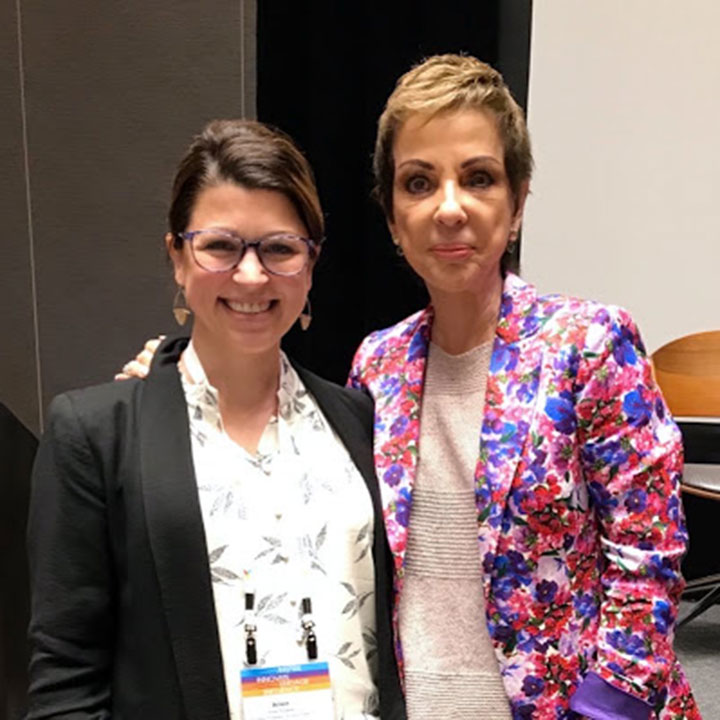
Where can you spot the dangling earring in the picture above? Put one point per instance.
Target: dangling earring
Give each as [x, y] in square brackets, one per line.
[398, 250]
[512, 242]
[306, 315]
[180, 309]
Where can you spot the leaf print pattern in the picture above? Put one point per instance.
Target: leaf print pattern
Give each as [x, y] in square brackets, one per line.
[262, 461]
[250, 504]
[356, 602]
[316, 421]
[268, 605]
[218, 573]
[306, 488]
[199, 436]
[320, 538]
[273, 546]
[364, 540]
[370, 639]
[223, 502]
[221, 574]
[216, 553]
[579, 456]
[345, 654]
[313, 547]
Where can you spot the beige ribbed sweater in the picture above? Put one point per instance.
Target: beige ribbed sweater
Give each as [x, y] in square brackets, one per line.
[450, 666]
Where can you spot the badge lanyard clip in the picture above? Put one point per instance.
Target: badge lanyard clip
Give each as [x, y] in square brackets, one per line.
[308, 626]
[250, 630]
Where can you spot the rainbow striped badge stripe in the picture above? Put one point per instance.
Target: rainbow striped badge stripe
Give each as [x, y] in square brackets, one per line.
[282, 679]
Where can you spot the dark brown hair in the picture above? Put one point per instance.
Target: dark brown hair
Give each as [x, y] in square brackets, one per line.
[252, 155]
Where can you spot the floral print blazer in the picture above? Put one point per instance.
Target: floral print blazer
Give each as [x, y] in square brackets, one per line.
[580, 525]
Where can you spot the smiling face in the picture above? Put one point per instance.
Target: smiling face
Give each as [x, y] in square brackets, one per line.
[245, 310]
[453, 209]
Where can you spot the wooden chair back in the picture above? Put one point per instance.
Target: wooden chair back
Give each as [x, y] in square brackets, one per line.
[688, 372]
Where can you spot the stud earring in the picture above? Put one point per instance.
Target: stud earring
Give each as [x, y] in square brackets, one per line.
[180, 309]
[306, 315]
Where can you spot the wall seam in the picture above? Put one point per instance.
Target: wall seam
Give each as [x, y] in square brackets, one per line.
[248, 59]
[28, 202]
[242, 59]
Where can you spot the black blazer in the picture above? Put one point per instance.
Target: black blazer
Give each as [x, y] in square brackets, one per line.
[123, 623]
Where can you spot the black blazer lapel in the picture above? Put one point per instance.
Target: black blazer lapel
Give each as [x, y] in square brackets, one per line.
[177, 538]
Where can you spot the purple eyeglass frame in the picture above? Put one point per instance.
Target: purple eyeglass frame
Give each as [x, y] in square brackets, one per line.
[312, 245]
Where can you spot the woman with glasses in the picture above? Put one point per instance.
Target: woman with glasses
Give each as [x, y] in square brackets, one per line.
[191, 557]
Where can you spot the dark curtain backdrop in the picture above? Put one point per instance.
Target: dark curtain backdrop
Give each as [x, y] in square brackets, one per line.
[324, 71]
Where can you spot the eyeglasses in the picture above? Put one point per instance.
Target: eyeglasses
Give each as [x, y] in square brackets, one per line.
[222, 250]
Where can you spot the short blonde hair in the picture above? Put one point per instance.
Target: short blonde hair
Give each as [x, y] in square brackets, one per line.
[444, 83]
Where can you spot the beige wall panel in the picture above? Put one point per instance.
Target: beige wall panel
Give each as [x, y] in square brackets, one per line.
[18, 370]
[623, 110]
[114, 93]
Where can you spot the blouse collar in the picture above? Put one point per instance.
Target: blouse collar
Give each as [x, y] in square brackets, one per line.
[294, 403]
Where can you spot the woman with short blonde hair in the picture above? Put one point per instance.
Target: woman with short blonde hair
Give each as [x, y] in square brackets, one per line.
[529, 467]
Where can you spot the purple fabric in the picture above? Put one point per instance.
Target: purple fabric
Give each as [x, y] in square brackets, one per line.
[599, 700]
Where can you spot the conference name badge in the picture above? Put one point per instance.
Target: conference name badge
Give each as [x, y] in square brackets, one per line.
[287, 692]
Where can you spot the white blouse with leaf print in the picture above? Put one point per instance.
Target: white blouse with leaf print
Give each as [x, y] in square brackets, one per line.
[293, 520]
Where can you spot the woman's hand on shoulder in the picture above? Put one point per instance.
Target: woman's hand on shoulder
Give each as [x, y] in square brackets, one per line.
[139, 367]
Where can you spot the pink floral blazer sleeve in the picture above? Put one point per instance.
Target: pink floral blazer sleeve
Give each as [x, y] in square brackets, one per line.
[580, 525]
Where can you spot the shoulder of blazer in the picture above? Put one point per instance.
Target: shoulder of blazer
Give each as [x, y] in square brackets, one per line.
[109, 409]
[109, 417]
[101, 411]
